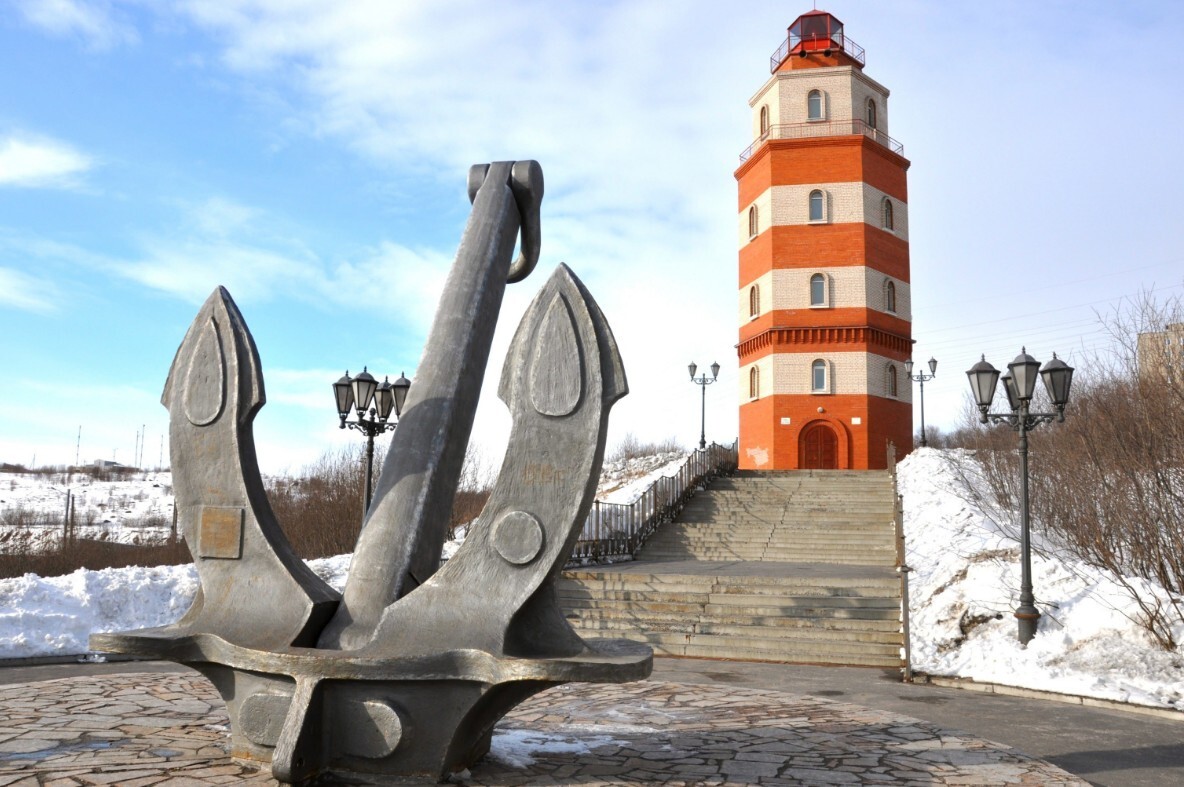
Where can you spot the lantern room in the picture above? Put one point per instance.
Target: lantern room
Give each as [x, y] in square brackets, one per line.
[816, 39]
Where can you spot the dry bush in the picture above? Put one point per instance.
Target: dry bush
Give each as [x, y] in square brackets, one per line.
[633, 447]
[93, 555]
[321, 510]
[1109, 481]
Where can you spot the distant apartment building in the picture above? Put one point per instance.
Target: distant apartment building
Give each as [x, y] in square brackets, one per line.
[1162, 352]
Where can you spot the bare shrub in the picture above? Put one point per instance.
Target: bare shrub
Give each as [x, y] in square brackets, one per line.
[93, 555]
[1109, 481]
[320, 510]
[633, 447]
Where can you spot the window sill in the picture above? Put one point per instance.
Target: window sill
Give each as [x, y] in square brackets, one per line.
[819, 305]
[816, 221]
[815, 120]
[752, 317]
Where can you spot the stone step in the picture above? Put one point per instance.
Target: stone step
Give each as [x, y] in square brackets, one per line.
[619, 619]
[863, 557]
[776, 567]
[736, 598]
[890, 637]
[753, 640]
[805, 516]
[770, 551]
[712, 647]
[644, 611]
[791, 584]
[711, 536]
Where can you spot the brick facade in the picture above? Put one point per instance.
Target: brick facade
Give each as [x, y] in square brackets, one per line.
[833, 370]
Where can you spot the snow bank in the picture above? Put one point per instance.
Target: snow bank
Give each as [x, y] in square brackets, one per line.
[965, 557]
[56, 615]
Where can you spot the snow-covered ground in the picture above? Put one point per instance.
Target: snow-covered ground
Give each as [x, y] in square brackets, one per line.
[965, 579]
[965, 557]
[137, 509]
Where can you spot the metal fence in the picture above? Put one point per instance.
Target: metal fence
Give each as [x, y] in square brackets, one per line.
[613, 530]
[823, 128]
[816, 44]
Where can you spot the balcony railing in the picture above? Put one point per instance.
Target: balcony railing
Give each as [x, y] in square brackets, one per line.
[824, 128]
[813, 44]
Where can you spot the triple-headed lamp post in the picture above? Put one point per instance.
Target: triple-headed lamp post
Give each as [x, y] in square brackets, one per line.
[922, 378]
[703, 382]
[1020, 384]
[364, 393]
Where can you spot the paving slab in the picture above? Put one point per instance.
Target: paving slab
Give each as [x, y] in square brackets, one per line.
[170, 728]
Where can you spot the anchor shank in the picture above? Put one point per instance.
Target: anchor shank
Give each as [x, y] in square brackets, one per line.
[403, 537]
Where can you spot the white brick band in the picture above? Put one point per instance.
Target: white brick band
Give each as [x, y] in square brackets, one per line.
[843, 203]
[852, 286]
[845, 373]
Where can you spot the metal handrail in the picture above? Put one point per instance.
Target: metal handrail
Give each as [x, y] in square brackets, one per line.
[823, 128]
[815, 44]
[614, 530]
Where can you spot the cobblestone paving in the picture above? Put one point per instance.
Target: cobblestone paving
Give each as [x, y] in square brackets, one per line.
[170, 729]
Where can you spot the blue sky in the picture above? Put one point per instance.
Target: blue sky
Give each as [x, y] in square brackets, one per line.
[311, 156]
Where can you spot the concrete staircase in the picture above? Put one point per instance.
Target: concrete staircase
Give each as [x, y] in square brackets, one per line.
[792, 566]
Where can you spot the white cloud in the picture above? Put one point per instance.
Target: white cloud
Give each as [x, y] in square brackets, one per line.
[95, 22]
[22, 291]
[220, 217]
[637, 160]
[191, 269]
[39, 162]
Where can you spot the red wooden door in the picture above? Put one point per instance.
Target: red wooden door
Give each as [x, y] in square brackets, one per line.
[820, 448]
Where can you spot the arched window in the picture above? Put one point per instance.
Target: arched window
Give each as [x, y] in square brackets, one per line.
[754, 383]
[754, 301]
[818, 381]
[764, 121]
[817, 290]
[887, 219]
[814, 105]
[871, 113]
[889, 295]
[890, 380]
[817, 206]
[753, 222]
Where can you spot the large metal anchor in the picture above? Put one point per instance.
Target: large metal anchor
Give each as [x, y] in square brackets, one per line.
[409, 672]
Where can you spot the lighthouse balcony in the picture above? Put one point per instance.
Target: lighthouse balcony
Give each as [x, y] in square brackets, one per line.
[832, 128]
[822, 35]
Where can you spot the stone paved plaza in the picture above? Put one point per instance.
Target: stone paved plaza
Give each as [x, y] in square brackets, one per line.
[143, 729]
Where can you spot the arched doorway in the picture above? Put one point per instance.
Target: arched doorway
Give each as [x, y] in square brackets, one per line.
[819, 447]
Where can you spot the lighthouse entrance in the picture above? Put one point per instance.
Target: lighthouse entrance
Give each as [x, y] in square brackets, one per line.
[820, 447]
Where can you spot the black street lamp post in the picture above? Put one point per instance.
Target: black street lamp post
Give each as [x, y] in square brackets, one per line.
[1020, 384]
[703, 382]
[922, 378]
[365, 393]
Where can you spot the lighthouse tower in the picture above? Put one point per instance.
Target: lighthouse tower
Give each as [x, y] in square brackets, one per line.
[824, 307]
